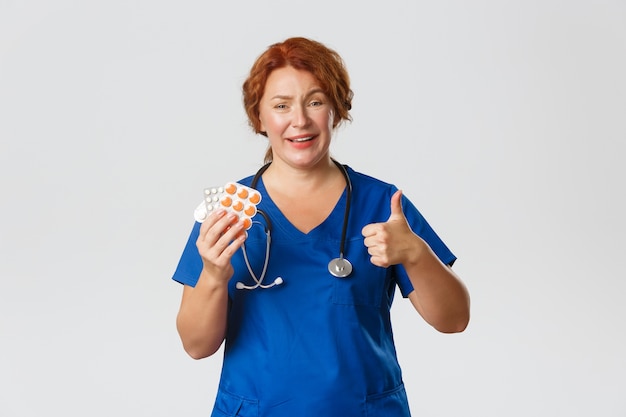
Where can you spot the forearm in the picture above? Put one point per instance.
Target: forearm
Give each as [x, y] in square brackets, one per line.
[439, 295]
[201, 320]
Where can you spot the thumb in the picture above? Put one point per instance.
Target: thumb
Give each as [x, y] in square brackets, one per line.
[396, 206]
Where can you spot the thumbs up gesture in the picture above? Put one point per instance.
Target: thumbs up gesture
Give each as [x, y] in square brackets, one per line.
[392, 242]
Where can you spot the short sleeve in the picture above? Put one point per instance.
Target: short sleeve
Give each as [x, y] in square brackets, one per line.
[190, 264]
[420, 226]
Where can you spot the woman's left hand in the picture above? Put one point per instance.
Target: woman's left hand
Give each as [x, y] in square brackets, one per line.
[393, 242]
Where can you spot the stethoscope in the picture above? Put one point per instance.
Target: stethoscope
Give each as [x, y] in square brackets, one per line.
[339, 267]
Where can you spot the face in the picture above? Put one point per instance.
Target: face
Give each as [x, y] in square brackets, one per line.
[297, 117]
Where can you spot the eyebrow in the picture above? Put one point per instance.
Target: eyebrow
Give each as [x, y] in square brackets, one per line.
[309, 94]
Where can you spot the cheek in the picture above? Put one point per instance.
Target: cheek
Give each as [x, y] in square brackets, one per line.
[271, 123]
[263, 119]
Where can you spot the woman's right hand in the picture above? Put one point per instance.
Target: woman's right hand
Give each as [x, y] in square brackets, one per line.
[221, 235]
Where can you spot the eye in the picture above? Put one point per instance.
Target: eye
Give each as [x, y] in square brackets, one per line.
[316, 103]
[281, 106]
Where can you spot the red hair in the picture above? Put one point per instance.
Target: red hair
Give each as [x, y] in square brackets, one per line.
[323, 63]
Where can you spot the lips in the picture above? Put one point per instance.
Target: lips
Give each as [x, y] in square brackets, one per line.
[300, 139]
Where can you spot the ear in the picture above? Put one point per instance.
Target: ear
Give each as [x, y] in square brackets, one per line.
[336, 118]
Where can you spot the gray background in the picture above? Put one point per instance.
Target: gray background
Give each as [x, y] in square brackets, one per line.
[502, 120]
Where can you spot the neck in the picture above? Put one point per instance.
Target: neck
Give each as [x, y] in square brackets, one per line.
[292, 179]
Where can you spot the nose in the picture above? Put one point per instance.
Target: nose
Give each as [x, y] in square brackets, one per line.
[300, 117]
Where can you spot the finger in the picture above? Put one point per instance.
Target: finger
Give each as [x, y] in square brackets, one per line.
[233, 231]
[396, 206]
[226, 228]
[368, 230]
[210, 221]
[222, 241]
[235, 243]
[381, 261]
[215, 229]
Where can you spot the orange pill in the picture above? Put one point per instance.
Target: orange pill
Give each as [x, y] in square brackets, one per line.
[230, 188]
[243, 193]
[247, 223]
[238, 206]
[226, 201]
[250, 211]
[255, 198]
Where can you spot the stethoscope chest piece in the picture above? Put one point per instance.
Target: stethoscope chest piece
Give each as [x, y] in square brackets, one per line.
[340, 267]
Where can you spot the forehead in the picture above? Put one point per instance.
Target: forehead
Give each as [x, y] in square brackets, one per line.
[290, 81]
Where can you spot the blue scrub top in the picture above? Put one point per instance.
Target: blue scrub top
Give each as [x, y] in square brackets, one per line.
[316, 345]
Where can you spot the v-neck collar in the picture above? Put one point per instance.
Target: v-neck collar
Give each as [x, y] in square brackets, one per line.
[329, 228]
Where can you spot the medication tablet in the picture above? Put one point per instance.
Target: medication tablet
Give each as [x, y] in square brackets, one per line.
[232, 197]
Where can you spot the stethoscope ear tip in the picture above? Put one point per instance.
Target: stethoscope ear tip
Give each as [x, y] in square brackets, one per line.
[241, 286]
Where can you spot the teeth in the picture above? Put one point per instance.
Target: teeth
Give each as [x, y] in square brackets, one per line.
[302, 139]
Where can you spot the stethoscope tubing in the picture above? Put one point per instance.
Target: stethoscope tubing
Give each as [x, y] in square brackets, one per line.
[339, 267]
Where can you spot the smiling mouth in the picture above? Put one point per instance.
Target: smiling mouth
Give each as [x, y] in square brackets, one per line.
[300, 140]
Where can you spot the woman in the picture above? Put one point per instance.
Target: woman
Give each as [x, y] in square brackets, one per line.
[312, 342]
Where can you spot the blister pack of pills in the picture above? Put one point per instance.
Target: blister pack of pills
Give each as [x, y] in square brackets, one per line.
[232, 197]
